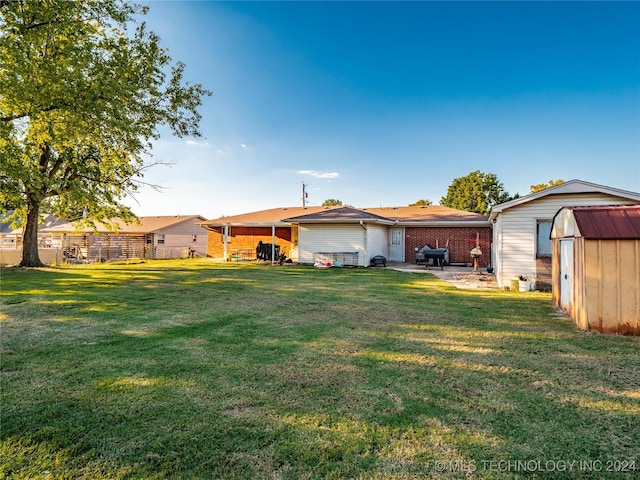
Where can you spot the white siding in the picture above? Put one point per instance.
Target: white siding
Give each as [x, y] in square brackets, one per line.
[497, 248]
[377, 241]
[515, 230]
[181, 236]
[330, 238]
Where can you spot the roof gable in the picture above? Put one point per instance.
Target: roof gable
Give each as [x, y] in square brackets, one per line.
[570, 187]
[340, 215]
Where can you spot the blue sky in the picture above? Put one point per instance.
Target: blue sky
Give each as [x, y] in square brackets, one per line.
[385, 103]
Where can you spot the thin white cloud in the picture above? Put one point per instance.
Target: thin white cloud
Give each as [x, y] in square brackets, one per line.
[198, 144]
[316, 174]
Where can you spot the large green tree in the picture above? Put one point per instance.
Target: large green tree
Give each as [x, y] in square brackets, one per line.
[423, 202]
[476, 192]
[543, 186]
[84, 89]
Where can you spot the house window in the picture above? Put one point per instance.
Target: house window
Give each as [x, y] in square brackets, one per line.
[543, 242]
[160, 238]
[396, 237]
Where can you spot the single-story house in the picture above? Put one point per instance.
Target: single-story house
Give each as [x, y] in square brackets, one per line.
[12, 237]
[11, 240]
[521, 227]
[394, 232]
[175, 236]
[7, 237]
[596, 267]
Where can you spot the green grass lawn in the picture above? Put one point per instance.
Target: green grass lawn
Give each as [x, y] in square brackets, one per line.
[194, 369]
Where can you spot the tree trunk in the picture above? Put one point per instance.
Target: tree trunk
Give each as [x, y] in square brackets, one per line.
[30, 255]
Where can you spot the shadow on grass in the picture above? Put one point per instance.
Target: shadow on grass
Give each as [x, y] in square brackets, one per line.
[204, 370]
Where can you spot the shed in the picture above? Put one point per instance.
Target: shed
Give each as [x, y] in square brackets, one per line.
[596, 267]
[521, 244]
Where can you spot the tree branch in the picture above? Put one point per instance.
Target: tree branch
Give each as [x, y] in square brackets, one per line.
[44, 157]
[55, 106]
[18, 116]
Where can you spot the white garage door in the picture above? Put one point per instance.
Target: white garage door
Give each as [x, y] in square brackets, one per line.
[330, 238]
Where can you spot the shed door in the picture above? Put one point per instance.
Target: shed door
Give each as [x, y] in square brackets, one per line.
[396, 244]
[566, 273]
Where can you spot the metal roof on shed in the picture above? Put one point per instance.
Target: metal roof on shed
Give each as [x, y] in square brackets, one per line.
[608, 223]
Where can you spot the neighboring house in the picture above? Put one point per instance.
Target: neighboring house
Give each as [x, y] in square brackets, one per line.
[12, 237]
[7, 237]
[596, 267]
[176, 236]
[521, 227]
[394, 232]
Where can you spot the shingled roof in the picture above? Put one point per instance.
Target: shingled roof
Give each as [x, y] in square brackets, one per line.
[427, 213]
[414, 215]
[150, 224]
[273, 216]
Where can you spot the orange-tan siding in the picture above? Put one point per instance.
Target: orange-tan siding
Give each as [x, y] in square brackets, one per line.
[606, 285]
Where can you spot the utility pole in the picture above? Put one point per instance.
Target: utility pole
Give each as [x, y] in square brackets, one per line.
[305, 195]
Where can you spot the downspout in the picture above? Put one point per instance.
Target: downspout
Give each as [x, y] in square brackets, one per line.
[225, 239]
[366, 239]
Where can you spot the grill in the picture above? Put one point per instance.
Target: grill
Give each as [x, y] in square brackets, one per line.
[440, 256]
[378, 261]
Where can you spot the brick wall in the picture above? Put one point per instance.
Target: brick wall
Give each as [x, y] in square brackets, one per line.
[247, 238]
[543, 274]
[461, 241]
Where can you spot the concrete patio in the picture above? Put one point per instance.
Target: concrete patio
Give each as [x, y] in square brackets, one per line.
[461, 277]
